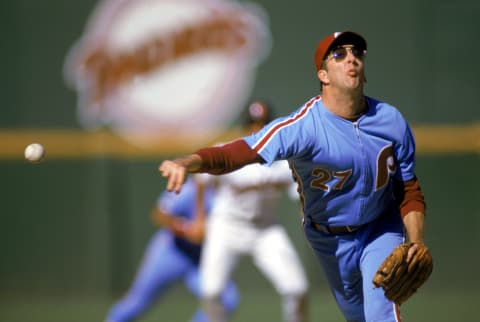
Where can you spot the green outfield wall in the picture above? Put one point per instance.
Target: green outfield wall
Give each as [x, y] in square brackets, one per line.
[82, 225]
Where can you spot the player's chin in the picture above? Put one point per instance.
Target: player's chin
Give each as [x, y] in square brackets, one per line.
[354, 84]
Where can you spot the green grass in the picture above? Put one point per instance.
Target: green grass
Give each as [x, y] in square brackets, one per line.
[263, 305]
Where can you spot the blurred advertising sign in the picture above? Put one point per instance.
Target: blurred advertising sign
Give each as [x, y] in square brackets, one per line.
[146, 68]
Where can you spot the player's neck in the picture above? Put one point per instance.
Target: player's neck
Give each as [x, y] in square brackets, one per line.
[349, 106]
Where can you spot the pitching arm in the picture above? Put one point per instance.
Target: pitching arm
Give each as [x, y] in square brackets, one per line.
[213, 160]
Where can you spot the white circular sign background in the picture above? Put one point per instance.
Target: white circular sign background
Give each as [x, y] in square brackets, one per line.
[198, 92]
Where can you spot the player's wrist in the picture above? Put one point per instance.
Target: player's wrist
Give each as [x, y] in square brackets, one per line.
[191, 162]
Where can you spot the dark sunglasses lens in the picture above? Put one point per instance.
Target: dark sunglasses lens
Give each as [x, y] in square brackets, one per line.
[357, 52]
[339, 53]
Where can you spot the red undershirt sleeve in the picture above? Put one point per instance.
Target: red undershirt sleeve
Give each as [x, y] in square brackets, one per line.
[227, 158]
[410, 197]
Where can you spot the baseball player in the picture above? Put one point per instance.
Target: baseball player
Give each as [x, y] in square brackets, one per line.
[243, 222]
[173, 254]
[354, 159]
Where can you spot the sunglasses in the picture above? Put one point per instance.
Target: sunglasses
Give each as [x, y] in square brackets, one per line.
[340, 53]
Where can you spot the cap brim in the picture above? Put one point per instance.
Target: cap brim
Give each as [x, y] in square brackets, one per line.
[348, 38]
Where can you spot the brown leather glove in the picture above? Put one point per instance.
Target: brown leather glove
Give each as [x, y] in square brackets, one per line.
[399, 276]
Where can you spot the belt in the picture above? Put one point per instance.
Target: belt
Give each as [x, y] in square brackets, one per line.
[335, 230]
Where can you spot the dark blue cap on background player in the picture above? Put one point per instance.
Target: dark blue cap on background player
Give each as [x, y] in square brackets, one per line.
[336, 39]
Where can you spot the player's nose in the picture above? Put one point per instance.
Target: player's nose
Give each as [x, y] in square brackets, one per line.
[350, 56]
[351, 59]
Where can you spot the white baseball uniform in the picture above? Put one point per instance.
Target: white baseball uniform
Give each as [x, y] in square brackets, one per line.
[243, 222]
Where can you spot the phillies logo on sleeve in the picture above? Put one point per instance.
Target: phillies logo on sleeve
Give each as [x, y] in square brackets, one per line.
[150, 67]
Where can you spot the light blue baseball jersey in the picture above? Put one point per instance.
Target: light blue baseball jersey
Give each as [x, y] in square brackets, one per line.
[344, 168]
[184, 205]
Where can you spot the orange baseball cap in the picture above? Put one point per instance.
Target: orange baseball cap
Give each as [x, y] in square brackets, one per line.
[334, 40]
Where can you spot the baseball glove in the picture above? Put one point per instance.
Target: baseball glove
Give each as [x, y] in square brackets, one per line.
[399, 276]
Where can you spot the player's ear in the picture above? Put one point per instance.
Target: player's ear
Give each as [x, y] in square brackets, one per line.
[322, 75]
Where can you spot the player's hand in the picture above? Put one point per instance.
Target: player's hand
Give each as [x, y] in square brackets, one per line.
[413, 249]
[175, 172]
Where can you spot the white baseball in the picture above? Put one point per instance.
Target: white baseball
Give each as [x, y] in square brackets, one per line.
[34, 152]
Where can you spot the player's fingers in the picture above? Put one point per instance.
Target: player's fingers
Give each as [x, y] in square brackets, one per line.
[175, 173]
[170, 184]
[411, 251]
[167, 170]
[177, 181]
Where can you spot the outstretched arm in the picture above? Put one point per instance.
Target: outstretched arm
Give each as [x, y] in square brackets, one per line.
[214, 160]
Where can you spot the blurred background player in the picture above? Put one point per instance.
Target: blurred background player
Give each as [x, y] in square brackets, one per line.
[172, 254]
[243, 221]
